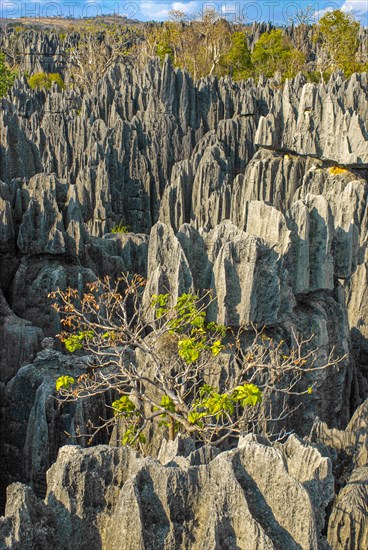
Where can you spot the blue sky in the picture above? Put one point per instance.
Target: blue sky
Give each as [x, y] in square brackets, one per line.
[276, 11]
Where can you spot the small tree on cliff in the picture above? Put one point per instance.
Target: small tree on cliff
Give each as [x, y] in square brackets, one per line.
[238, 60]
[7, 76]
[165, 363]
[340, 37]
[98, 48]
[274, 52]
[44, 81]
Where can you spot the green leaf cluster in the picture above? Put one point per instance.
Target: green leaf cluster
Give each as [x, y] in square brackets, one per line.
[211, 403]
[214, 327]
[124, 407]
[248, 394]
[130, 436]
[74, 342]
[168, 404]
[275, 53]
[340, 36]
[64, 382]
[164, 49]
[190, 349]
[190, 323]
[44, 81]
[120, 229]
[188, 315]
[7, 76]
[218, 404]
[159, 301]
[110, 335]
[238, 61]
[216, 347]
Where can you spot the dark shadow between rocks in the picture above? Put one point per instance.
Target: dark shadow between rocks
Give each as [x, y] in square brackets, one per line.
[70, 528]
[360, 350]
[226, 535]
[156, 524]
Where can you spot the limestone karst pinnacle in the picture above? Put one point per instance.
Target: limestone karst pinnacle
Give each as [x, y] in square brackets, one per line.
[251, 189]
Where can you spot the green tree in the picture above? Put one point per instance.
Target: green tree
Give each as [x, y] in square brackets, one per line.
[44, 81]
[340, 37]
[238, 60]
[163, 49]
[7, 76]
[163, 360]
[275, 53]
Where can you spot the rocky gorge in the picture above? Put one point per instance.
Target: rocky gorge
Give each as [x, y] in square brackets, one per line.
[254, 189]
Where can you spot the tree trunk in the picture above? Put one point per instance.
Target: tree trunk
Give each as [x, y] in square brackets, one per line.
[171, 429]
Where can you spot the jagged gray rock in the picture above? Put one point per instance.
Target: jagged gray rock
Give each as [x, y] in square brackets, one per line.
[279, 234]
[348, 524]
[239, 498]
[324, 121]
[27, 525]
[352, 441]
[247, 282]
[306, 464]
[168, 267]
[19, 341]
[36, 424]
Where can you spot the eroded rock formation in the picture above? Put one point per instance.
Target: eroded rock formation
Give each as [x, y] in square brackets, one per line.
[256, 192]
[245, 498]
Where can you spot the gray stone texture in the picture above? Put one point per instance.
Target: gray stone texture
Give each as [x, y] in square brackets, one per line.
[256, 191]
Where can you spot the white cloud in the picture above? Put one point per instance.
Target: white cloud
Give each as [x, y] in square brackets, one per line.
[320, 13]
[153, 10]
[186, 7]
[159, 11]
[359, 7]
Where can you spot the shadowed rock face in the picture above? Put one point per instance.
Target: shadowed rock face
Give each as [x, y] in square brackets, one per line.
[156, 146]
[348, 450]
[348, 526]
[246, 498]
[34, 425]
[257, 193]
[255, 496]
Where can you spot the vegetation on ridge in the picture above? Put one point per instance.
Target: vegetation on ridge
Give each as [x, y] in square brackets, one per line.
[207, 45]
[44, 81]
[210, 45]
[7, 76]
[120, 229]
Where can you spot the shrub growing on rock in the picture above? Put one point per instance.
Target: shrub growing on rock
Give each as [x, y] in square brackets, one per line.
[166, 363]
[274, 52]
[7, 76]
[120, 229]
[340, 38]
[44, 81]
